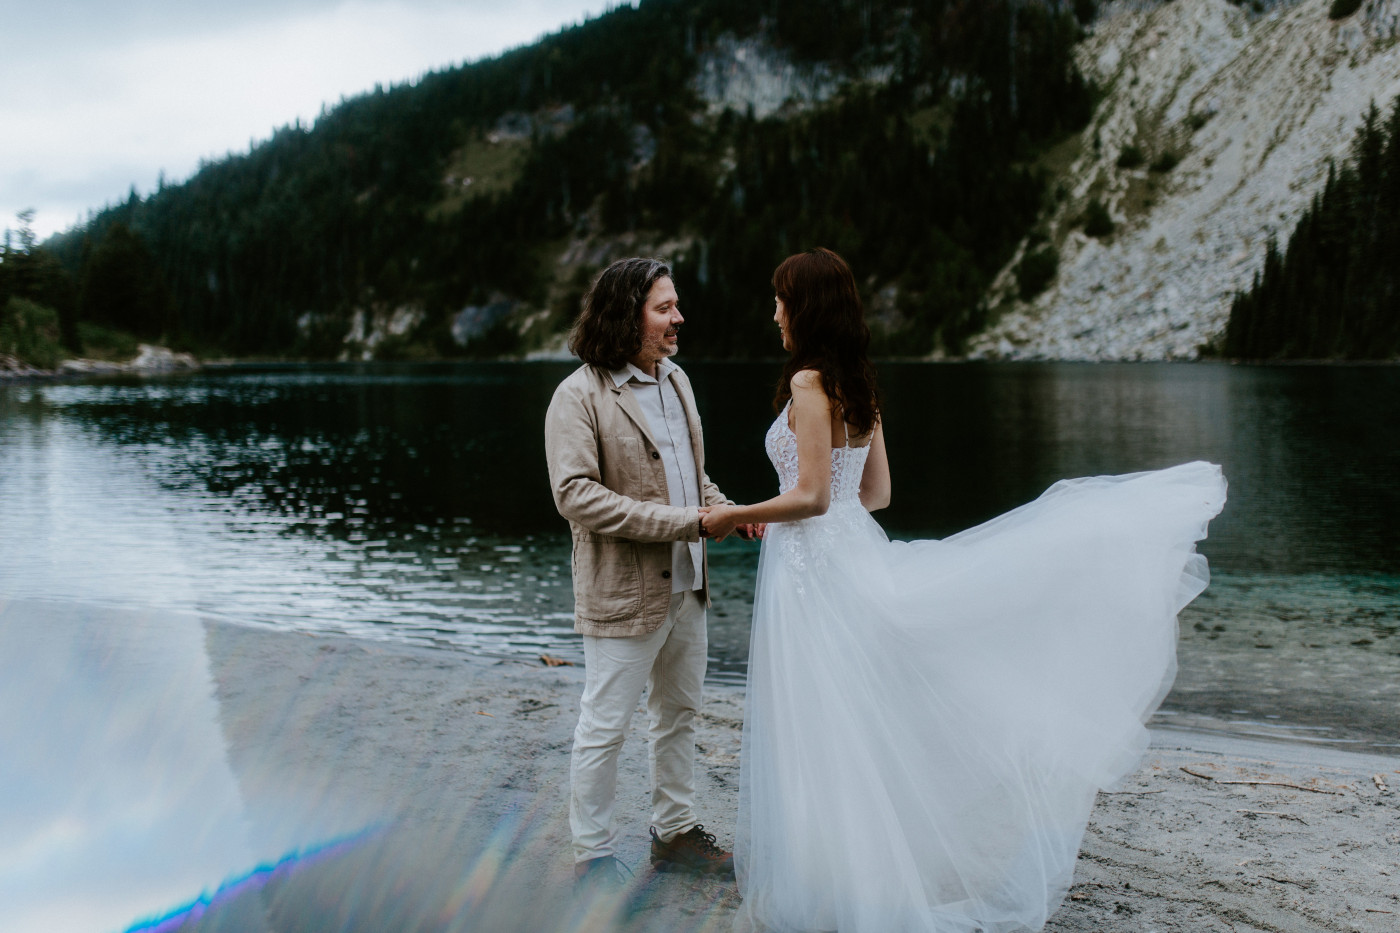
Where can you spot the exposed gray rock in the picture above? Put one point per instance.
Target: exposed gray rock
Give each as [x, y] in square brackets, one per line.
[153, 359]
[474, 320]
[1257, 107]
[370, 328]
[518, 126]
[737, 74]
[12, 367]
[149, 360]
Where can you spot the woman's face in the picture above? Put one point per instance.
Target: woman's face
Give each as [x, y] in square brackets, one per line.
[780, 315]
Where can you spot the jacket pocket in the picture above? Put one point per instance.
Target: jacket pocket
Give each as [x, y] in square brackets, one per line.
[607, 578]
[621, 464]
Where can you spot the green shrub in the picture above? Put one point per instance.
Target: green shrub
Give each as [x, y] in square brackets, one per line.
[1131, 157]
[1341, 9]
[105, 343]
[30, 331]
[1097, 223]
[1037, 270]
[1198, 119]
[1165, 162]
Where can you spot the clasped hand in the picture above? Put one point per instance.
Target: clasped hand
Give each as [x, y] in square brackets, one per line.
[720, 521]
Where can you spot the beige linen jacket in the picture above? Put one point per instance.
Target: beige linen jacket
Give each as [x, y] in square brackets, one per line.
[608, 481]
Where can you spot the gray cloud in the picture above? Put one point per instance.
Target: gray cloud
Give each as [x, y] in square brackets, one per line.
[36, 28]
[99, 96]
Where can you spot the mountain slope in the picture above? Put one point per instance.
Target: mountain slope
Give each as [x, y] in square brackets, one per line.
[1256, 107]
[472, 206]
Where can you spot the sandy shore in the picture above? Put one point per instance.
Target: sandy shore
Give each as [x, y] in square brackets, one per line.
[464, 756]
[338, 784]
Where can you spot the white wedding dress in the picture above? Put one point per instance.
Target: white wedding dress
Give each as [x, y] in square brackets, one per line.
[928, 722]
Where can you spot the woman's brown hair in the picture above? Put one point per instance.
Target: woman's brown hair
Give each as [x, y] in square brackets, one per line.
[826, 327]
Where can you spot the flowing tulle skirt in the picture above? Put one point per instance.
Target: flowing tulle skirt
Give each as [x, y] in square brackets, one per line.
[928, 722]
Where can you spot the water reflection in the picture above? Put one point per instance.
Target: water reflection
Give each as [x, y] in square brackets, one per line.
[1310, 453]
[341, 447]
[169, 517]
[411, 452]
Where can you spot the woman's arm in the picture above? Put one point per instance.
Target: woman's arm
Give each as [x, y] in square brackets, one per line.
[811, 415]
[875, 480]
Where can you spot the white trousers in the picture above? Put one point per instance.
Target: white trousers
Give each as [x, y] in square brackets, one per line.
[670, 663]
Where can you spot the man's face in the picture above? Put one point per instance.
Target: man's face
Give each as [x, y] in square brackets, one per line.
[661, 320]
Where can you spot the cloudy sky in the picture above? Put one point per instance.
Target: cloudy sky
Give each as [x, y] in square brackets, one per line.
[98, 96]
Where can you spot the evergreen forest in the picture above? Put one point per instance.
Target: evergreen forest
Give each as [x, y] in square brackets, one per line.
[1334, 291]
[501, 187]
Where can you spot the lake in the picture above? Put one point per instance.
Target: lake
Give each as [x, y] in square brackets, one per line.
[410, 503]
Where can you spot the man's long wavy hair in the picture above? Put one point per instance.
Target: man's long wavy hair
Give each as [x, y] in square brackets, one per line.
[608, 331]
[826, 327]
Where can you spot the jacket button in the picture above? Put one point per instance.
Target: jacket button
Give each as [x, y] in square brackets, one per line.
[655, 455]
[665, 574]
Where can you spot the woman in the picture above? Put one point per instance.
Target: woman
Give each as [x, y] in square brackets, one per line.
[928, 722]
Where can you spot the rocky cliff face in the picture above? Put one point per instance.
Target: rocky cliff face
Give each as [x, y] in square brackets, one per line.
[1255, 106]
[743, 74]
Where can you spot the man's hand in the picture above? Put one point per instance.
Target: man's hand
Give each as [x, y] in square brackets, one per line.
[714, 525]
[718, 521]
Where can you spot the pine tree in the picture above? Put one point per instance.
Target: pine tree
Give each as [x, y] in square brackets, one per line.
[1335, 291]
[122, 286]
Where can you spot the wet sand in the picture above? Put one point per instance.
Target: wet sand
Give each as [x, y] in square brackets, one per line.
[462, 764]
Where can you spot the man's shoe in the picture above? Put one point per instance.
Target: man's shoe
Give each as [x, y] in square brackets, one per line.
[599, 877]
[694, 851]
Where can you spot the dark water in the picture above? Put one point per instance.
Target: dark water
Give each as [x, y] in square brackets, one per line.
[410, 503]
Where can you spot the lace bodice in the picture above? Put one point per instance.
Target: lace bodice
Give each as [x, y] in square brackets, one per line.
[807, 544]
[847, 463]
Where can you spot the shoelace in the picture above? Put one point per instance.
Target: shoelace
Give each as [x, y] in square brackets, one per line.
[706, 842]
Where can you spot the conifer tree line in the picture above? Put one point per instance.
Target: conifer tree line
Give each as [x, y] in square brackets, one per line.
[38, 303]
[924, 179]
[1334, 291]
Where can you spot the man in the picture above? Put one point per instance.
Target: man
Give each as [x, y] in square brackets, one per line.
[627, 468]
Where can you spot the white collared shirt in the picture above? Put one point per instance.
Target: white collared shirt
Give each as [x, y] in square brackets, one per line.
[666, 417]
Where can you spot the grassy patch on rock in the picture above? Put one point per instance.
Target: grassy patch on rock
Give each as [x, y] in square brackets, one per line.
[106, 343]
[483, 167]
